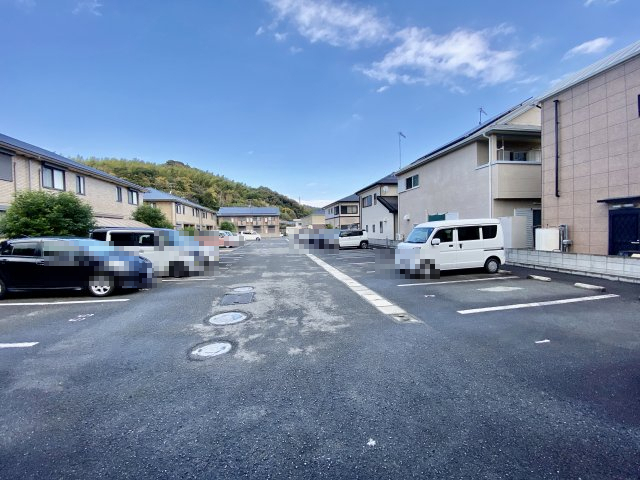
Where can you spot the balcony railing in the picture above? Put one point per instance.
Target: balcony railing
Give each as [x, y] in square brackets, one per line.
[531, 156]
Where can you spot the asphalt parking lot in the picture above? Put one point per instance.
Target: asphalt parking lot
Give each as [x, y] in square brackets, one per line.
[322, 378]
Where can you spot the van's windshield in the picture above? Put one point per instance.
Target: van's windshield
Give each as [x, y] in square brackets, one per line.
[419, 235]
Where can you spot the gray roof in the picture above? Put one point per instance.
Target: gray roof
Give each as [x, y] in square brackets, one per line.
[154, 195]
[350, 198]
[496, 123]
[592, 70]
[390, 179]
[249, 211]
[18, 146]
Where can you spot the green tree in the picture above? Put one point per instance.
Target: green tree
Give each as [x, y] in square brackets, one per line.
[152, 216]
[227, 226]
[35, 214]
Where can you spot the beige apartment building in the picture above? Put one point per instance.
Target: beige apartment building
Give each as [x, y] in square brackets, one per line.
[379, 208]
[491, 171]
[344, 213]
[314, 220]
[262, 220]
[181, 212]
[25, 167]
[591, 155]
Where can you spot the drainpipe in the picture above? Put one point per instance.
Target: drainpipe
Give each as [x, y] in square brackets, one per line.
[557, 136]
[490, 175]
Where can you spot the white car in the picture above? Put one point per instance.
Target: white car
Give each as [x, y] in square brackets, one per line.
[251, 235]
[353, 238]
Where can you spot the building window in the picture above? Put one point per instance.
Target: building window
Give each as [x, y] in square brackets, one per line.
[6, 167]
[366, 201]
[366, 227]
[80, 185]
[193, 212]
[179, 208]
[412, 182]
[52, 178]
[380, 226]
[153, 204]
[349, 209]
[118, 194]
[204, 214]
[133, 197]
[375, 198]
[373, 228]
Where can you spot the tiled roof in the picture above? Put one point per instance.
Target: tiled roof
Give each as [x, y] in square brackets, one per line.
[390, 179]
[12, 144]
[154, 195]
[594, 69]
[234, 211]
[349, 198]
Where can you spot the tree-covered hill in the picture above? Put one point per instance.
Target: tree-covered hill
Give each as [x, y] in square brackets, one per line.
[199, 186]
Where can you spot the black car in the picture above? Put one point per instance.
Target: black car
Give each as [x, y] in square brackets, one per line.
[63, 263]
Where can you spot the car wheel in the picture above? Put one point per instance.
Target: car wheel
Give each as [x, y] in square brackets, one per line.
[101, 286]
[492, 265]
[177, 270]
[364, 244]
[3, 289]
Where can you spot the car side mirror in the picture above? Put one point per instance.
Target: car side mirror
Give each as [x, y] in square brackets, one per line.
[435, 241]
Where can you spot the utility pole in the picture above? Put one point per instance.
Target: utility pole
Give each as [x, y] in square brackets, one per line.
[400, 137]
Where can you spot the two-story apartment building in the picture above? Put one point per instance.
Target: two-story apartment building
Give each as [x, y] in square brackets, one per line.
[313, 220]
[343, 213]
[591, 155]
[25, 167]
[181, 212]
[492, 171]
[263, 220]
[379, 208]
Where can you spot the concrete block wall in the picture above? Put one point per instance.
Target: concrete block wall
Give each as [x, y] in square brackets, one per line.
[625, 269]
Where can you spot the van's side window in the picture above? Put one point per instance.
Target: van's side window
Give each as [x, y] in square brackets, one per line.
[445, 235]
[145, 240]
[468, 233]
[99, 235]
[122, 239]
[489, 231]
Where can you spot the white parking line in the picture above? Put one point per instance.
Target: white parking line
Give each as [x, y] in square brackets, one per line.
[192, 279]
[361, 263]
[536, 304]
[73, 302]
[457, 281]
[18, 345]
[382, 304]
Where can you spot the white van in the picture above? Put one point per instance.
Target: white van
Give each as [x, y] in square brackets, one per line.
[453, 244]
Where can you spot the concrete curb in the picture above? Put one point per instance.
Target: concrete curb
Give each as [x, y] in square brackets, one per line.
[540, 278]
[586, 286]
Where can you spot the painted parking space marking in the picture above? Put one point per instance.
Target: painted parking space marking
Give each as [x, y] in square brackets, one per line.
[457, 281]
[18, 345]
[70, 302]
[382, 304]
[361, 263]
[536, 304]
[192, 279]
[82, 317]
[546, 340]
[499, 289]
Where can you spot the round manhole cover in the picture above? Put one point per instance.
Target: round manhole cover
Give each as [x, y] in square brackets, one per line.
[243, 289]
[227, 318]
[208, 350]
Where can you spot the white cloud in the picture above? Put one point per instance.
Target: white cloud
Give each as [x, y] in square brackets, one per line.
[89, 6]
[318, 203]
[280, 37]
[340, 25]
[424, 57]
[382, 89]
[597, 45]
[295, 50]
[600, 2]
[27, 5]
[260, 31]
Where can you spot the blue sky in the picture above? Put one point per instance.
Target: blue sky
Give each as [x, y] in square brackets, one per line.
[303, 96]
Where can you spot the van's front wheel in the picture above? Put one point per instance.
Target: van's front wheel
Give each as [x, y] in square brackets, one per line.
[492, 265]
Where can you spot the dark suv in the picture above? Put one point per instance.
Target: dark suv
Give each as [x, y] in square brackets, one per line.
[59, 263]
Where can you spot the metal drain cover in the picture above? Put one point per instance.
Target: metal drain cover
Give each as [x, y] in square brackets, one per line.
[227, 318]
[208, 350]
[245, 289]
[236, 298]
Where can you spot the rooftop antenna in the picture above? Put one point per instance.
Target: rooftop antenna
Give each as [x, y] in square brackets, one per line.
[400, 137]
[481, 111]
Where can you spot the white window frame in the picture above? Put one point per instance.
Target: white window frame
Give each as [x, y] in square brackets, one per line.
[53, 171]
[414, 180]
[132, 197]
[81, 185]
